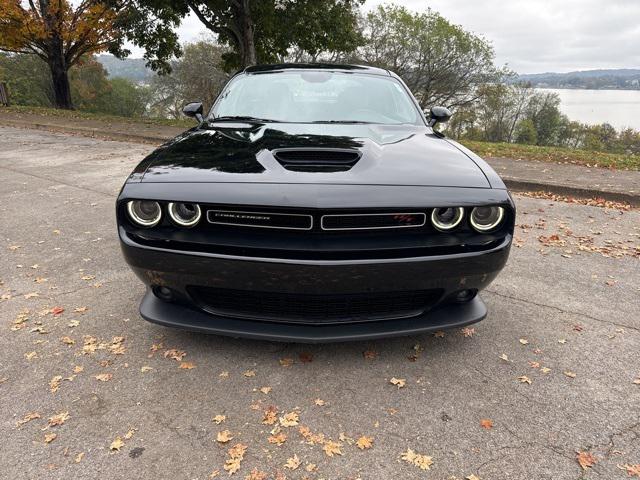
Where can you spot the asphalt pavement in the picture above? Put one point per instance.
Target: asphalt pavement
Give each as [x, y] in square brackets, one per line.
[549, 380]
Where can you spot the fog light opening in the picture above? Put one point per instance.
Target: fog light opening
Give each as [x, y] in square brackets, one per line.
[464, 296]
[164, 293]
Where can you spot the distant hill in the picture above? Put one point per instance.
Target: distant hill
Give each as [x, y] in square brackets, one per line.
[131, 68]
[627, 79]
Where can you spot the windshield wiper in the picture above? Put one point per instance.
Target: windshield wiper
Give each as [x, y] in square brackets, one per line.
[243, 118]
[359, 122]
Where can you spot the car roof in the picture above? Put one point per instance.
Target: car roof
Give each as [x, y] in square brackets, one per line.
[276, 67]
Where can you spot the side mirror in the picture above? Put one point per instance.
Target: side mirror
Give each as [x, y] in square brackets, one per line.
[439, 115]
[193, 110]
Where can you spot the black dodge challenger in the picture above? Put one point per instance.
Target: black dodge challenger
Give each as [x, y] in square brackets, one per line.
[314, 203]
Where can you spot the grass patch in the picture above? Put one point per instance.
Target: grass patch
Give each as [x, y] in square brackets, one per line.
[589, 158]
[80, 115]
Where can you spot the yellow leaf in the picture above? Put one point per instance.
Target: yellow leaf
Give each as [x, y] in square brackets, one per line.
[319, 402]
[187, 365]
[224, 436]
[218, 419]
[289, 419]
[265, 390]
[293, 462]
[54, 383]
[278, 439]
[249, 373]
[332, 448]
[398, 382]
[117, 444]
[524, 379]
[58, 419]
[570, 374]
[524, 341]
[103, 377]
[27, 418]
[286, 362]
[78, 458]
[423, 462]
[364, 443]
[50, 437]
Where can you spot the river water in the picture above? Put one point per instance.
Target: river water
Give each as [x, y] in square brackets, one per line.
[620, 108]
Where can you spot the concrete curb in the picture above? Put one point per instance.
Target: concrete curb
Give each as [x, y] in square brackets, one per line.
[515, 184]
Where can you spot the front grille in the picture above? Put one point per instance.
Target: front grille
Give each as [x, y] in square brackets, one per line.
[316, 159]
[314, 309]
[372, 221]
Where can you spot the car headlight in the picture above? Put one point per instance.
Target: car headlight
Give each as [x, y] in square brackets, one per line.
[145, 213]
[448, 218]
[484, 219]
[185, 214]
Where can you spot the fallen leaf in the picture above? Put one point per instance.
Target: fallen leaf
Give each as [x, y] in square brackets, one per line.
[249, 373]
[270, 416]
[468, 331]
[423, 462]
[129, 433]
[265, 390]
[545, 369]
[78, 458]
[30, 295]
[439, 334]
[585, 459]
[58, 419]
[364, 443]
[289, 419]
[50, 437]
[369, 354]
[524, 341]
[256, 474]
[398, 382]
[54, 383]
[224, 436]
[31, 355]
[57, 311]
[146, 368]
[80, 309]
[524, 379]
[103, 377]
[472, 477]
[68, 340]
[632, 470]
[504, 357]
[332, 448]
[278, 438]
[218, 419]
[292, 462]
[286, 362]
[236, 455]
[175, 354]
[570, 374]
[311, 467]
[486, 423]
[305, 357]
[319, 402]
[27, 418]
[117, 444]
[187, 365]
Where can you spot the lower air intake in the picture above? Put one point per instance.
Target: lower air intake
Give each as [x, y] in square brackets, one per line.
[309, 308]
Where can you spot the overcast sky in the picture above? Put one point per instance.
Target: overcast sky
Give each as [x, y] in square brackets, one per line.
[534, 36]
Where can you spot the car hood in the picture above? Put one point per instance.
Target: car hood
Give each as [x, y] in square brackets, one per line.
[242, 153]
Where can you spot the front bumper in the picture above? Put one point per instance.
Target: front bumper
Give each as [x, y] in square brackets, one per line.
[179, 271]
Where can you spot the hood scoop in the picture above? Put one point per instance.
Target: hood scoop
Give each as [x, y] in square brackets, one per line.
[317, 159]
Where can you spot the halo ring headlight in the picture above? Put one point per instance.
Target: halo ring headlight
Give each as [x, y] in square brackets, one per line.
[185, 214]
[146, 213]
[485, 219]
[447, 218]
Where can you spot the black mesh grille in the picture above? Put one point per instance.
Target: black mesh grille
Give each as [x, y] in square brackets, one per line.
[312, 159]
[373, 221]
[307, 308]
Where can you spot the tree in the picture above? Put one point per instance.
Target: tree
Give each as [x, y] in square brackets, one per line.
[261, 31]
[442, 63]
[196, 76]
[28, 80]
[60, 34]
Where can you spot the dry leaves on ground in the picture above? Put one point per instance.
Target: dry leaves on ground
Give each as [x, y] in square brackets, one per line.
[585, 459]
[398, 382]
[292, 463]
[332, 448]
[364, 443]
[486, 423]
[235, 457]
[224, 436]
[423, 462]
[58, 419]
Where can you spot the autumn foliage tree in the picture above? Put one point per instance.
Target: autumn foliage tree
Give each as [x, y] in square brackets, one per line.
[60, 34]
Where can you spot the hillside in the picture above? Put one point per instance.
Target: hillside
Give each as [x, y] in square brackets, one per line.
[627, 79]
[133, 69]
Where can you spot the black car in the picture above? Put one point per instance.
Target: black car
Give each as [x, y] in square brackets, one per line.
[314, 203]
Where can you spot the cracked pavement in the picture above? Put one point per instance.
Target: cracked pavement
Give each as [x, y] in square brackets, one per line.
[574, 301]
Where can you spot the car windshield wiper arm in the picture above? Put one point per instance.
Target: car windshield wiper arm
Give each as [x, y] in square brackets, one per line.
[362, 122]
[243, 118]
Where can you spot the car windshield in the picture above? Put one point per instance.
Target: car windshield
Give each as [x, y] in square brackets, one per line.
[316, 97]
